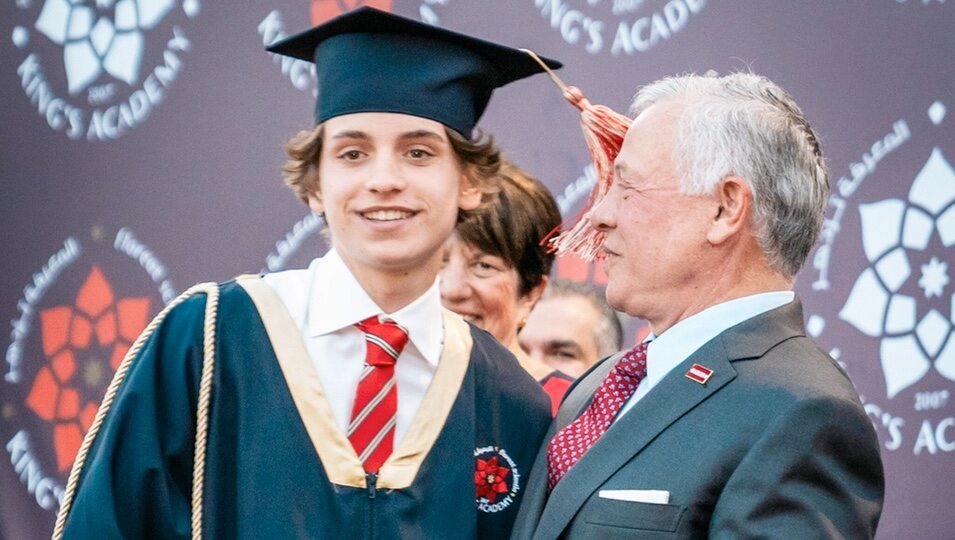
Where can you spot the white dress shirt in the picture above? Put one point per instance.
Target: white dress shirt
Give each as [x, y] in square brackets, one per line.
[678, 342]
[325, 301]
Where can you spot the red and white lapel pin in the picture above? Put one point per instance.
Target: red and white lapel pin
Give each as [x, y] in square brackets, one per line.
[699, 373]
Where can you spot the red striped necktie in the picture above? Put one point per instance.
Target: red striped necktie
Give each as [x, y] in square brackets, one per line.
[372, 427]
[571, 443]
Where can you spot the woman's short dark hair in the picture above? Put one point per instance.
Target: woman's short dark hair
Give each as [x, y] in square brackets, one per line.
[513, 225]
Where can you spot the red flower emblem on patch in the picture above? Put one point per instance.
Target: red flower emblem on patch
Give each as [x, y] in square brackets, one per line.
[83, 345]
[490, 478]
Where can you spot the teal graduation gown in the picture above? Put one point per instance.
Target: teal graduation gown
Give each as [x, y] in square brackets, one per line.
[277, 464]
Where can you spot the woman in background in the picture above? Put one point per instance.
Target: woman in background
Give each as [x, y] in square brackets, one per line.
[495, 268]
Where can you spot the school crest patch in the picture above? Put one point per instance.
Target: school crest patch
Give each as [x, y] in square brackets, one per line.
[496, 479]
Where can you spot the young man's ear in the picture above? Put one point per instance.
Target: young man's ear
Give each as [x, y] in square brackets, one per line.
[315, 203]
[734, 204]
[470, 196]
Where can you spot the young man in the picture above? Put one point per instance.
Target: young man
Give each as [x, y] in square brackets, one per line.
[345, 403]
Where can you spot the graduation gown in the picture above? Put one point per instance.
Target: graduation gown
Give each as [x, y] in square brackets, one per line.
[278, 465]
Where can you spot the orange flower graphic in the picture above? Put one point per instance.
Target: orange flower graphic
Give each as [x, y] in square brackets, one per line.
[323, 10]
[83, 345]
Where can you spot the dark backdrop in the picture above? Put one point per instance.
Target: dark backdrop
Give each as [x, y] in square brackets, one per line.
[142, 139]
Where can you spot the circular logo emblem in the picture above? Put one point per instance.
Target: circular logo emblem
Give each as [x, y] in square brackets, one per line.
[96, 70]
[496, 479]
[887, 315]
[619, 26]
[78, 318]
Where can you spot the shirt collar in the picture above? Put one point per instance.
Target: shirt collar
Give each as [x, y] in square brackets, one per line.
[332, 284]
[682, 339]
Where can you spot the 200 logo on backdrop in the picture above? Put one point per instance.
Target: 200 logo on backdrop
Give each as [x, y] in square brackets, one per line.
[896, 310]
[97, 69]
[619, 26]
[77, 319]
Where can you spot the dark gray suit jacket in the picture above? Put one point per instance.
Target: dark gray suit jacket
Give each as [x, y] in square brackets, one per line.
[775, 445]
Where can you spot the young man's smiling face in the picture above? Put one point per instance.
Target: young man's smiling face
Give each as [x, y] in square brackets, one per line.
[390, 186]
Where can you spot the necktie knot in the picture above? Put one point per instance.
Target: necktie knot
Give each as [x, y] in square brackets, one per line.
[634, 363]
[384, 339]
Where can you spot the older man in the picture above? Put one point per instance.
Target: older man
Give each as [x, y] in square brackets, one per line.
[728, 422]
[571, 327]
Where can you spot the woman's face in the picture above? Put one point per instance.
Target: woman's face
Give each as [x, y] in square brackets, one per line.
[483, 289]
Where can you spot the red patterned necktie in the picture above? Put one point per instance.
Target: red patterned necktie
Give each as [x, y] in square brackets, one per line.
[571, 443]
[372, 427]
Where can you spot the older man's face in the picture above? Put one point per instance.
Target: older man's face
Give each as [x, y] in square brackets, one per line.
[656, 235]
[560, 332]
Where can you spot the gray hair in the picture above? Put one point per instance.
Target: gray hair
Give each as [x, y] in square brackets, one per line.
[746, 125]
[608, 334]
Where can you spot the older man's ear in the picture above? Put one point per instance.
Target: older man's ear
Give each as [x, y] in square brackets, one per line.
[733, 203]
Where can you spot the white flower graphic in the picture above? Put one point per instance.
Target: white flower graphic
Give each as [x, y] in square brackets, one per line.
[934, 277]
[890, 230]
[93, 44]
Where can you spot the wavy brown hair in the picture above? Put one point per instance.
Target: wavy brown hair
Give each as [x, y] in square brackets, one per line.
[479, 157]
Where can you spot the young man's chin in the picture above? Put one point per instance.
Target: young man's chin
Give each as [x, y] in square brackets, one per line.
[401, 257]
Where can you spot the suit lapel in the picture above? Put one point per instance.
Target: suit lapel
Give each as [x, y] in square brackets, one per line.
[581, 394]
[577, 399]
[673, 397]
[669, 400]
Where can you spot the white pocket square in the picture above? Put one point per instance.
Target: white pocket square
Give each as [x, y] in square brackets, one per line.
[652, 496]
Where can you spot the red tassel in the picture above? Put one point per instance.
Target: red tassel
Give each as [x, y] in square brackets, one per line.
[603, 130]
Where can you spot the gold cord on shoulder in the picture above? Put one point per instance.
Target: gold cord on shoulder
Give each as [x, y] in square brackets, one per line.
[205, 390]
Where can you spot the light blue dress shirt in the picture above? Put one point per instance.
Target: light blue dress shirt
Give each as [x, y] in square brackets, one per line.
[678, 342]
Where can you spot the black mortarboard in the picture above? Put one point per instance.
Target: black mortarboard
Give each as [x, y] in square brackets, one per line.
[372, 61]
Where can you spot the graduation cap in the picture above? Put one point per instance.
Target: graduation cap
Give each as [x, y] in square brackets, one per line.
[369, 60]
